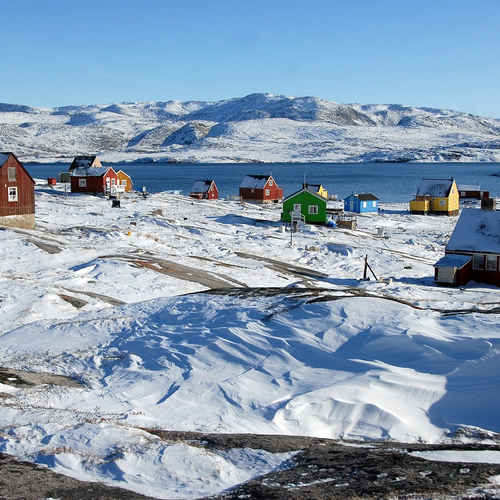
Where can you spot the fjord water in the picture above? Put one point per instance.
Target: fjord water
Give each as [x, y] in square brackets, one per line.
[390, 182]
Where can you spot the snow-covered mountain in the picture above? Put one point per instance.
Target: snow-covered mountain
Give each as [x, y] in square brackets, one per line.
[255, 128]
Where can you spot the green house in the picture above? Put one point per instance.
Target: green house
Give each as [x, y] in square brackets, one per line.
[305, 205]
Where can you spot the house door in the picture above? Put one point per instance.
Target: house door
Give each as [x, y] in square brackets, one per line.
[351, 206]
[297, 210]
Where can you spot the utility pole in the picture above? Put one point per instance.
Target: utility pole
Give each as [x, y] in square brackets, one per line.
[367, 266]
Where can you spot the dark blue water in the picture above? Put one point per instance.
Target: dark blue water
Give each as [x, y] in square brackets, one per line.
[390, 182]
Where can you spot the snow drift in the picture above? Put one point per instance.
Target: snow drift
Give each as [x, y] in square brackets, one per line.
[177, 314]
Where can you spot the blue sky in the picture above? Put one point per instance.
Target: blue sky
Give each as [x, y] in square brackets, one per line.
[433, 53]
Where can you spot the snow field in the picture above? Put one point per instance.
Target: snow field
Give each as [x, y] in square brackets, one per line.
[291, 341]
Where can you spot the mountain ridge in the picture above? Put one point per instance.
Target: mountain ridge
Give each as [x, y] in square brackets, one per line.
[255, 128]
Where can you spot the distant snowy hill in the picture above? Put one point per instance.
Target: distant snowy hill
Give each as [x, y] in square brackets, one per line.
[255, 128]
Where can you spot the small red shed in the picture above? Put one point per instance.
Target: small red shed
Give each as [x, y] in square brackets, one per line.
[17, 193]
[473, 192]
[260, 189]
[204, 190]
[95, 180]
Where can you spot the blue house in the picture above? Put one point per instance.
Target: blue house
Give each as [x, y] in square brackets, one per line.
[361, 203]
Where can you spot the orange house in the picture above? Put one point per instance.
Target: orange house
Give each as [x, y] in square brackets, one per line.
[125, 183]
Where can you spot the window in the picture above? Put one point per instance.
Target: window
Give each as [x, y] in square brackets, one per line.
[478, 261]
[442, 203]
[12, 193]
[364, 204]
[11, 174]
[82, 183]
[271, 183]
[313, 209]
[123, 182]
[491, 263]
[267, 192]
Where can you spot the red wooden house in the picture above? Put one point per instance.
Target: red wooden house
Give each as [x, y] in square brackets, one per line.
[82, 161]
[95, 180]
[473, 250]
[204, 190]
[17, 193]
[260, 189]
[474, 192]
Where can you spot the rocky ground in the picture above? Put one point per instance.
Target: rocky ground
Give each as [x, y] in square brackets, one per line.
[322, 469]
[332, 470]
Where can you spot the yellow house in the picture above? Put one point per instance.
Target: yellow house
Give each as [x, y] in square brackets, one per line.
[317, 188]
[436, 196]
[125, 183]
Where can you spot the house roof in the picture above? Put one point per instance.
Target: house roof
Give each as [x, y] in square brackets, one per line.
[315, 187]
[90, 172]
[255, 181]
[83, 161]
[476, 231]
[364, 196]
[201, 186]
[310, 191]
[3, 158]
[437, 188]
[453, 260]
